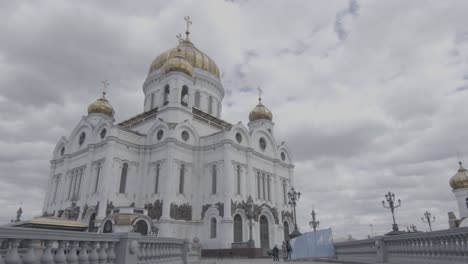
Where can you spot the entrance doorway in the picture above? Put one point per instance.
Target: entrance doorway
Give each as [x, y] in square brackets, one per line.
[264, 233]
[286, 231]
[141, 227]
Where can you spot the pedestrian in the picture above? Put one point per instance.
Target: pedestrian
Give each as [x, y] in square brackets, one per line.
[284, 252]
[289, 249]
[275, 253]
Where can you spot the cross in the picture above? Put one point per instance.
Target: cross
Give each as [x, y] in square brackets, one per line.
[179, 37]
[260, 91]
[189, 22]
[106, 85]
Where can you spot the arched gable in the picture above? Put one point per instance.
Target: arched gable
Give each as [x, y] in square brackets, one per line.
[98, 129]
[243, 131]
[83, 126]
[271, 147]
[283, 147]
[63, 142]
[193, 138]
[153, 132]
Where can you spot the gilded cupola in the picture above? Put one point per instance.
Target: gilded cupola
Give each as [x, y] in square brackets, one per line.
[101, 105]
[260, 112]
[178, 63]
[187, 51]
[460, 179]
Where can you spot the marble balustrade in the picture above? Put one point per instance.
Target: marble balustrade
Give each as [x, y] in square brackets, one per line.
[34, 246]
[438, 247]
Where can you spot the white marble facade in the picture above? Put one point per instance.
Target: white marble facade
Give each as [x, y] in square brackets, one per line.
[181, 154]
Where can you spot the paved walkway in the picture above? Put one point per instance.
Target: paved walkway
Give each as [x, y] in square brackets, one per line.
[254, 261]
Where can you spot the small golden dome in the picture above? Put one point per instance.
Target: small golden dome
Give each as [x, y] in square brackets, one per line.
[191, 54]
[260, 112]
[102, 106]
[178, 64]
[460, 179]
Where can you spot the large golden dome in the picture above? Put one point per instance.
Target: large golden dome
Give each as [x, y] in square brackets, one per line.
[191, 54]
[260, 112]
[178, 63]
[460, 179]
[101, 106]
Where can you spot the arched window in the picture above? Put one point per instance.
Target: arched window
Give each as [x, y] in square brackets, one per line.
[98, 173]
[219, 109]
[263, 184]
[167, 91]
[268, 189]
[197, 99]
[210, 105]
[156, 181]
[237, 228]
[285, 201]
[286, 231]
[56, 183]
[258, 186]
[213, 228]
[466, 202]
[213, 179]
[238, 179]
[184, 96]
[181, 179]
[123, 178]
[152, 101]
[91, 224]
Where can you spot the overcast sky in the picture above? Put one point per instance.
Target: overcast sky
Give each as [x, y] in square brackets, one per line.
[371, 96]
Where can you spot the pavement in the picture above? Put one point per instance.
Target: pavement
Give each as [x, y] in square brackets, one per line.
[255, 261]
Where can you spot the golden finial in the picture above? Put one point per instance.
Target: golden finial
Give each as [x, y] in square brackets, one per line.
[179, 37]
[260, 91]
[105, 85]
[188, 22]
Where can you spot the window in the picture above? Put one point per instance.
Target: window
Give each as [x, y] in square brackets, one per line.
[213, 228]
[82, 138]
[98, 172]
[219, 109]
[152, 101]
[123, 178]
[283, 156]
[185, 135]
[181, 178]
[238, 137]
[160, 134]
[263, 183]
[284, 193]
[56, 182]
[167, 91]
[237, 229]
[197, 99]
[184, 96]
[62, 151]
[466, 202]
[262, 143]
[268, 189]
[213, 179]
[238, 179]
[258, 185]
[75, 184]
[210, 105]
[156, 181]
[103, 133]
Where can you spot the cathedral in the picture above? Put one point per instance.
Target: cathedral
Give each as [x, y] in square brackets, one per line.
[177, 169]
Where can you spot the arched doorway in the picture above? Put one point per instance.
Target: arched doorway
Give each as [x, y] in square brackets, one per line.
[107, 227]
[264, 233]
[91, 224]
[237, 228]
[141, 227]
[286, 231]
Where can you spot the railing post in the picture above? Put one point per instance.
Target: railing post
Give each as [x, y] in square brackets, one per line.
[381, 250]
[185, 251]
[128, 248]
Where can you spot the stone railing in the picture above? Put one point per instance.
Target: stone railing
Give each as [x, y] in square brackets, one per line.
[438, 247]
[29, 245]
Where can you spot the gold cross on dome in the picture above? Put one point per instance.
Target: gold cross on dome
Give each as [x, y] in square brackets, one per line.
[105, 85]
[260, 91]
[188, 22]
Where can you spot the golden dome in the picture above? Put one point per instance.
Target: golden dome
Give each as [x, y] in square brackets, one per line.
[260, 112]
[178, 64]
[191, 54]
[102, 106]
[460, 179]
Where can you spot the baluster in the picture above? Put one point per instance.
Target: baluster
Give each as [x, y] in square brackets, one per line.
[30, 256]
[141, 253]
[83, 256]
[102, 257]
[12, 256]
[72, 257]
[60, 255]
[465, 246]
[158, 253]
[111, 253]
[93, 255]
[47, 257]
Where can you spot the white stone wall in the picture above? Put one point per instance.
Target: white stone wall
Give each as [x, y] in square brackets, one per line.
[461, 195]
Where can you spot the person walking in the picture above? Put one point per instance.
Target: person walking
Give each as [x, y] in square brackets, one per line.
[289, 249]
[284, 251]
[275, 253]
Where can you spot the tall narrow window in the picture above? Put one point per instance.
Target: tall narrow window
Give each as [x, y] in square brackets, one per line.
[184, 96]
[263, 183]
[70, 186]
[167, 91]
[237, 228]
[466, 202]
[55, 189]
[238, 179]
[214, 179]
[210, 105]
[284, 192]
[197, 99]
[213, 228]
[181, 178]
[98, 172]
[268, 189]
[156, 181]
[219, 109]
[152, 101]
[123, 178]
[258, 186]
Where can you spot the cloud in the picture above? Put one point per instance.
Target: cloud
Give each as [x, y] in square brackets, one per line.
[368, 95]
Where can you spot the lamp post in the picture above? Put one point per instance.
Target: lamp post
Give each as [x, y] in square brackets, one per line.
[390, 197]
[249, 212]
[294, 196]
[314, 224]
[428, 215]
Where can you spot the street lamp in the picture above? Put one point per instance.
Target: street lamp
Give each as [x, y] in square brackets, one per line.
[249, 212]
[314, 224]
[293, 196]
[390, 197]
[428, 215]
